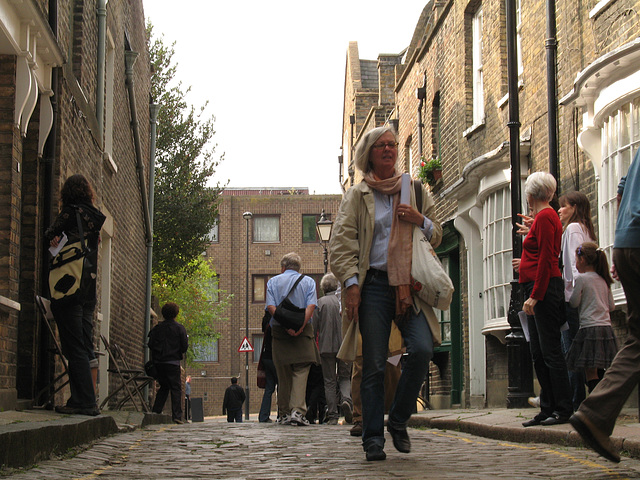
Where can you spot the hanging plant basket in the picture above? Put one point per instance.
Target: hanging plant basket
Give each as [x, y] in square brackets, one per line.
[430, 171]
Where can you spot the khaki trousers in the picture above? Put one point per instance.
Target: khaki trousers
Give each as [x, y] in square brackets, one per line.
[292, 388]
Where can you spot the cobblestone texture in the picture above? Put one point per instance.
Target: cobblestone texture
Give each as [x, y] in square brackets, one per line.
[251, 450]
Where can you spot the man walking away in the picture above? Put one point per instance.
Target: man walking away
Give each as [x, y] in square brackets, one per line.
[233, 400]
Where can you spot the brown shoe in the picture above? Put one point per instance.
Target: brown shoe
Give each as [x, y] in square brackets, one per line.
[356, 430]
[593, 437]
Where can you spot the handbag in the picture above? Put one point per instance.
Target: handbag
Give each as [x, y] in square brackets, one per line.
[71, 271]
[429, 281]
[349, 347]
[150, 369]
[289, 315]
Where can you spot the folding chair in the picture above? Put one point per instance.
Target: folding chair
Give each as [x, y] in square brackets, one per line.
[51, 389]
[132, 381]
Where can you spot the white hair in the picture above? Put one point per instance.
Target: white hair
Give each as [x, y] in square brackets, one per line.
[363, 149]
[541, 186]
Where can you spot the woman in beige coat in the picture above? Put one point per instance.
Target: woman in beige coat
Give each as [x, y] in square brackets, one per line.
[370, 248]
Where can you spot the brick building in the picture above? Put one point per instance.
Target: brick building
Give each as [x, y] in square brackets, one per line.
[283, 220]
[69, 86]
[451, 102]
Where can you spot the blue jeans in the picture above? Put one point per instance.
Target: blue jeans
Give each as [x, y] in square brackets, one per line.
[75, 326]
[376, 312]
[270, 387]
[576, 378]
[546, 350]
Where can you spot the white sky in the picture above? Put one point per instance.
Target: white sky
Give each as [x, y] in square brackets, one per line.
[273, 73]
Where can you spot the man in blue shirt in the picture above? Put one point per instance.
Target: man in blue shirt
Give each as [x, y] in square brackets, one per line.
[293, 351]
[597, 415]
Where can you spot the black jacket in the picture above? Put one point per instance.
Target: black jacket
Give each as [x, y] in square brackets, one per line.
[233, 398]
[168, 341]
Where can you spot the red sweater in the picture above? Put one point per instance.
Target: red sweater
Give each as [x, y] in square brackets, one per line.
[540, 252]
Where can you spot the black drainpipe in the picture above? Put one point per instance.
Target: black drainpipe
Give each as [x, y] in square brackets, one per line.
[551, 46]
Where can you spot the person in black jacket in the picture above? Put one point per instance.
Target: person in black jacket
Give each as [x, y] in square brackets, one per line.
[168, 342]
[270, 370]
[233, 399]
[74, 314]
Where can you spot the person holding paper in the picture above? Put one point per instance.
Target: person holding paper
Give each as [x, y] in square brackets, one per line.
[371, 248]
[75, 319]
[543, 285]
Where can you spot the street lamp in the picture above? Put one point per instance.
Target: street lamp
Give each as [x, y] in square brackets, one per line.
[324, 227]
[247, 216]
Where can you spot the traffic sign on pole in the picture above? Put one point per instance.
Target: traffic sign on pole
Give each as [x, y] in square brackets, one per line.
[246, 346]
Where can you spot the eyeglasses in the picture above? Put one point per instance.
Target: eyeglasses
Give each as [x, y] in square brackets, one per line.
[382, 146]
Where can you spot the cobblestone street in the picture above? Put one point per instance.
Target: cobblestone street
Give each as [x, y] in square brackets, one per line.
[215, 449]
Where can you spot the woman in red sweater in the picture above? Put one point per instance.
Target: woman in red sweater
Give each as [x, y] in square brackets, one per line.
[542, 281]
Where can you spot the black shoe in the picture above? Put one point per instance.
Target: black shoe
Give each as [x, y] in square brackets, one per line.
[64, 409]
[400, 439]
[92, 412]
[537, 420]
[375, 452]
[347, 411]
[554, 420]
[178, 421]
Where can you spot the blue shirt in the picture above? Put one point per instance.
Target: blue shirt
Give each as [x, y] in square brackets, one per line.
[303, 296]
[628, 224]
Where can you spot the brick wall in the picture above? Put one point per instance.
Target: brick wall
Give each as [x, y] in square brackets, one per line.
[228, 258]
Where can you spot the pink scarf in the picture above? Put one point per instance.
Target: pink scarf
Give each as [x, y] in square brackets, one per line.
[400, 244]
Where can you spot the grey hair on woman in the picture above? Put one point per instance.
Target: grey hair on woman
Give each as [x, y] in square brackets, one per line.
[329, 283]
[541, 186]
[363, 149]
[291, 261]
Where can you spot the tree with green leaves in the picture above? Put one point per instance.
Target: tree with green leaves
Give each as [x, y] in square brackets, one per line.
[185, 207]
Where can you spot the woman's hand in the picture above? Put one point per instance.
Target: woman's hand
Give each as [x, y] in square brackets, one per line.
[528, 305]
[525, 226]
[515, 263]
[54, 241]
[352, 302]
[409, 214]
[293, 333]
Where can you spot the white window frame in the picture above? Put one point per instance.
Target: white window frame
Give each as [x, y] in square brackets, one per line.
[478, 80]
[497, 255]
[620, 139]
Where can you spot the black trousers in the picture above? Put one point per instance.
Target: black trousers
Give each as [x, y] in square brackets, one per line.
[169, 379]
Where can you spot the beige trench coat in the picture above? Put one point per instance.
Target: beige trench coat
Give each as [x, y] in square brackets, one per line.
[350, 244]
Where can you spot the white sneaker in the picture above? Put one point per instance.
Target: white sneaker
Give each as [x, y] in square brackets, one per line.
[534, 402]
[286, 420]
[298, 419]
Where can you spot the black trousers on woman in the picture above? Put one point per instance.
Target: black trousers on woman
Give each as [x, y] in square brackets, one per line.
[169, 379]
[546, 350]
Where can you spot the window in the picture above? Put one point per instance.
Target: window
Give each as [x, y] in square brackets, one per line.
[258, 339]
[266, 229]
[213, 289]
[497, 254]
[478, 83]
[435, 126]
[309, 231]
[205, 350]
[213, 235]
[620, 139]
[260, 288]
[444, 315]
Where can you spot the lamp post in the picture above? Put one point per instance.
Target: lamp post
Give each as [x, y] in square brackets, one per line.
[247, 216]
[324, 227]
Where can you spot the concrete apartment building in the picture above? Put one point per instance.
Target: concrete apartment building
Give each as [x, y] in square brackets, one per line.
[64, 112]
[447, 96]
[283, 220]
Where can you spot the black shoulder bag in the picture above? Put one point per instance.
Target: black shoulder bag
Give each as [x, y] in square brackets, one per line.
[287, 314]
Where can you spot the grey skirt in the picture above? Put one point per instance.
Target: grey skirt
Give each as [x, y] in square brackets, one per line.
[592, 347]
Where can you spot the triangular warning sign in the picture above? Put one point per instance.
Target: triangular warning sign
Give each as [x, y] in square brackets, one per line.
[246, 346]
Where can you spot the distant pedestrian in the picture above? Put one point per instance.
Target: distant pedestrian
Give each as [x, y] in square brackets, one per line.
[594, 345]
[597, 415]
[234, 398]
[336, 373]
[187, 398]
[168, 342]
[293, 351]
